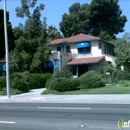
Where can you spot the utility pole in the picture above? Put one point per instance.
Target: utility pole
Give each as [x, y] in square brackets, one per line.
[7, 52]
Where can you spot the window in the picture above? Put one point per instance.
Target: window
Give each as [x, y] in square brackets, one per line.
[85, 50]
[58, 48]
[67, 49]
[100, 45]
[105, 49]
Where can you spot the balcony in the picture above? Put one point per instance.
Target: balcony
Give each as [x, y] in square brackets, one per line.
[76, 56]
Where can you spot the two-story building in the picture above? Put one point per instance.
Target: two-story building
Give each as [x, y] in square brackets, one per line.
[80, 53]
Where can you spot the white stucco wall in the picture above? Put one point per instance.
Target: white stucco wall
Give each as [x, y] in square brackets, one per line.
[55, 56]
[95, 51]
[66, 58]
[111, 59]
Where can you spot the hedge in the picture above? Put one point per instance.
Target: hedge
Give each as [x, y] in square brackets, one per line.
[64, 84]
[91, 79]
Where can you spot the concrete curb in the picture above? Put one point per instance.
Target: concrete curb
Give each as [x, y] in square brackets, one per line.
[37, 98]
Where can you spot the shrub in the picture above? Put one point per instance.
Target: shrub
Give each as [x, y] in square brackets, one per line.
[64, 84]
[105, 77]
[123, 83]
[49, 81]
[2, 82]
[37, 80]
[122, 75]
[12, 91]
[20, 83]
[14, 75]
[63, 73]
[91, 79]
[25, 81]
[46, 76]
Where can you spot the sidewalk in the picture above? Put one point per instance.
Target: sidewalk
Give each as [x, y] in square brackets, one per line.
[34, 96]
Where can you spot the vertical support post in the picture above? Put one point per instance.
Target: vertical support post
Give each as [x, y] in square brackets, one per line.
[60, 62]
[7, 52]
[77, 70]
[88, 67]
[62, 48]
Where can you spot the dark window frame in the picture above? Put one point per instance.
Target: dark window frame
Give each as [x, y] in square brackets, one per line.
[100, 45]
[59, 49]
[68, 49]
[84, 50]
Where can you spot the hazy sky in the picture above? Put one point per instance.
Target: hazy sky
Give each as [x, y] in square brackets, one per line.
[54, 9]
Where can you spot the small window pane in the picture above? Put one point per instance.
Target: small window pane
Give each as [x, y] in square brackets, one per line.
[67, 49]
[58, 48]
[100, 45]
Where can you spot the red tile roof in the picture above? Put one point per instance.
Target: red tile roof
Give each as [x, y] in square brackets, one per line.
[76, 38]
[86, 60]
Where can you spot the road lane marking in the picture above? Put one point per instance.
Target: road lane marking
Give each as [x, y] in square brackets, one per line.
[64, 108]
[7, 122]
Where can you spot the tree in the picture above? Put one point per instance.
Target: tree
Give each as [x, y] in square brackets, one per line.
[122, 52]
[111, 70]
[2, 37]
[53, 33]
[76, 21]
[31, 46]
[106, 16]
[126, 36]
[101, 16]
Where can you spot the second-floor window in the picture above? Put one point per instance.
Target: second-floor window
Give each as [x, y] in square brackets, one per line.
[100, 45]
[67, 49]
[58, 48]
[85, 50]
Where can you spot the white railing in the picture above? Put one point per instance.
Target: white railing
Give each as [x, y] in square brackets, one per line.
[76, 56]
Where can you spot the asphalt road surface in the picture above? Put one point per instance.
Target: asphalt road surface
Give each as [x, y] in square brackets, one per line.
[35, 116]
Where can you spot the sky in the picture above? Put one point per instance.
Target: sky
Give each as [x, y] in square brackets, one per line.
[54, 9]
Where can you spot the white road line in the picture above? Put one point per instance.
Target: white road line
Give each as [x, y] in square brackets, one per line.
[64, 108]
[7, 122]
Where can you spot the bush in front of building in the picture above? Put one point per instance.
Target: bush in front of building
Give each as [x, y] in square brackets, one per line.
[105, 77]
[63, 73]
[64, 84]
[49, 81]
[23, 82]
[19, 83]
[2, 82]
[91, 79]
[123, 83]
[37, 80]
[122, 75]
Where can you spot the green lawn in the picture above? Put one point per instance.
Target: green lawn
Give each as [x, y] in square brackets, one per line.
[103, 90]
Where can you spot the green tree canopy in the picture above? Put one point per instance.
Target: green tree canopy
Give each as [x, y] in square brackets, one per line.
[2, 36]
[76, 21]
[31, 45]
[98, 18]
[122, 52]
[53, 33]
[106, 16]
[126, 36]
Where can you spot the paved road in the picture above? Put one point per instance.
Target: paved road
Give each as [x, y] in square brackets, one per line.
[37, 116]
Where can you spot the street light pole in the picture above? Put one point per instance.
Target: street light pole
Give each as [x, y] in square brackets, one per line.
[7, 53]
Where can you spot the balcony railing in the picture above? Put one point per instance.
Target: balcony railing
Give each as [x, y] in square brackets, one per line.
[76, 56]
